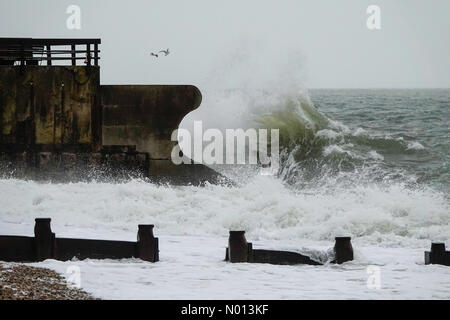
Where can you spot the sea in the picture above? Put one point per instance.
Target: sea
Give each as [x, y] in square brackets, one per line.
[372, 164]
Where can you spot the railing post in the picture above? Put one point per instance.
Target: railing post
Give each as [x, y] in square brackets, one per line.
[74, 61]
[88, 54]
[44, 239]
[49, 55]
[22, 55]
[96, 54]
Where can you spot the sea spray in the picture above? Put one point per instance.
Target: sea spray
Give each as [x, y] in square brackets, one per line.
[264, 207]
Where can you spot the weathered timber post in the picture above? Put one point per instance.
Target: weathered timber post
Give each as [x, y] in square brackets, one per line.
[343, 249]
[147, 244]
[238, 248]
[44, 239]
[437, 253]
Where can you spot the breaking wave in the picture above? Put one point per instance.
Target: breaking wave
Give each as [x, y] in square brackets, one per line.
[319, 151]
[334, 179]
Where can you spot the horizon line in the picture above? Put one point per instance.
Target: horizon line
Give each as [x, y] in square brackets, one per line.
[378, 88]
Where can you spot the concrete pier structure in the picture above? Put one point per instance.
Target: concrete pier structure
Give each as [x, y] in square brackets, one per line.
[59, 122]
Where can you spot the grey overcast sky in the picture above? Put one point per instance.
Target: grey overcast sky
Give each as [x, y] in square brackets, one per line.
[325, 42]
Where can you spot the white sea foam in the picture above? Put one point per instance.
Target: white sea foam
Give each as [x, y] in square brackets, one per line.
[390, 228]
[339, 126]
[415, 146]
[193, 267]
[264, 207]
[375, 155]
[327, 133]
[359, 132]
[328, 150]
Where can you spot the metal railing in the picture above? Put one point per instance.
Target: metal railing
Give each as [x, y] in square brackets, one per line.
[31, 51]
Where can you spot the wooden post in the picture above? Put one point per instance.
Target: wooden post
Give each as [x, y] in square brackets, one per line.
[49, 55]
[238, 247]
[147, 244]
[343, 250]
[44, 239]
[438, 253]
[74, 61]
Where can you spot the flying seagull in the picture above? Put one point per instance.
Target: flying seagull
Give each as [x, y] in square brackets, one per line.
[154, 54]
[166, 52]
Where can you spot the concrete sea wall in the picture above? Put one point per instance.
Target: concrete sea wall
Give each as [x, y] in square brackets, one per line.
[59, 121]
